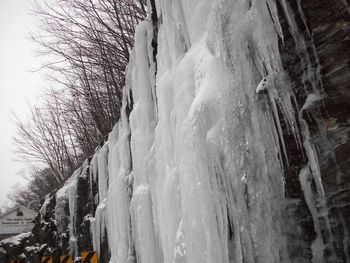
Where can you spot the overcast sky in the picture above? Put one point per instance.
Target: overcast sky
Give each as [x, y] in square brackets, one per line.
[17, 84]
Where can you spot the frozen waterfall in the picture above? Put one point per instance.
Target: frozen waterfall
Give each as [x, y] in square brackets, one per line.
[194, 171]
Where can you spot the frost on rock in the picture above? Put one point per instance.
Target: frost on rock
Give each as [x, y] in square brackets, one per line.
[310, 100]
[263, 84]
[44, 205]
[180, 247]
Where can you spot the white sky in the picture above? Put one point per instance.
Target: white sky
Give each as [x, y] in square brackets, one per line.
[17, 84]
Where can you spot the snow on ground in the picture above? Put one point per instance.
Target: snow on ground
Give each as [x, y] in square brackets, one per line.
[16, 240]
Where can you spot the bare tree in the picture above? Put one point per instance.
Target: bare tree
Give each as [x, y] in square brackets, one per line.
[87, 44]
[91, 41]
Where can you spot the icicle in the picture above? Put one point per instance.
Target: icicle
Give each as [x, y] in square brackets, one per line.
[346, 5]
[68, 193]
[313, 161]
[118, 197]
[317, 245]
[310, 100]
[98, 226]
[311, 73]
[346, 238]
[263, 85]
[72, 198]
[274, 14]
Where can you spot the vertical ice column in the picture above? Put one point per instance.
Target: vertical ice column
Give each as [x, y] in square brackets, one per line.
[68, 193]
[189, 216]
[118, 201]
[142, 124]
[72, 197]
[317, 245]
[216, 141]
[120, 183]
[100, 166]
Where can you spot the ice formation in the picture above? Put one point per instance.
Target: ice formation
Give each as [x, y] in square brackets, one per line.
[67, 196]
[69, 190]
[263, 84]
[194, 173]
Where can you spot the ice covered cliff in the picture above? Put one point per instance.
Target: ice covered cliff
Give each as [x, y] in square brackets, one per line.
[201, 167]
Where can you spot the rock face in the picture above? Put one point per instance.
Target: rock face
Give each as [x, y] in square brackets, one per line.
[316, 56]
[200, 167]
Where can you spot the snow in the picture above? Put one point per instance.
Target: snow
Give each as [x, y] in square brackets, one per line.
[16, 240]
[31, 249]
[45, 204]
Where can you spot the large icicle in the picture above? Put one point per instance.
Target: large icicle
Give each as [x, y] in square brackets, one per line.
[142, 125]
[317, 245]
[68, 194]
[99, 165]
[120, 185]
